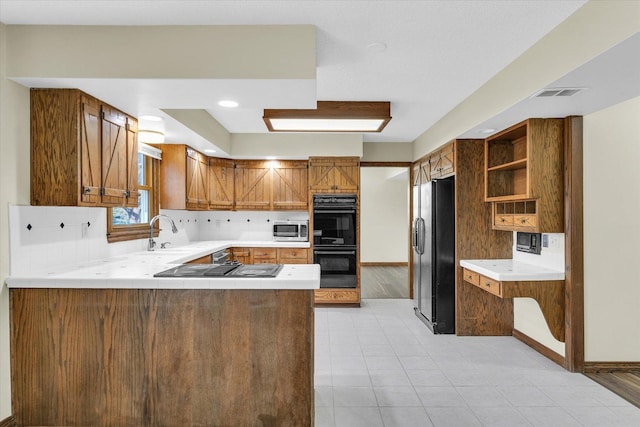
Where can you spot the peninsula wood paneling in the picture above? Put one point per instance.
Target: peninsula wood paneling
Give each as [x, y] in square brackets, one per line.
[162, 357]
[477, 312]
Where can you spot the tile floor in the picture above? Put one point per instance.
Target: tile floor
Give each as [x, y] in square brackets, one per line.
[378, 365]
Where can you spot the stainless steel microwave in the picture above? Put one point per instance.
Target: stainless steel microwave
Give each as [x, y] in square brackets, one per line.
[291, 231]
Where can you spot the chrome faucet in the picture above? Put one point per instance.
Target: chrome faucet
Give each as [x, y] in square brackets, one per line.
[152, 242]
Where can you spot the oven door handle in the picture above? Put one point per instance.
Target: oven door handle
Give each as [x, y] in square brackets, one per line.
[334, 252]
[334, 211]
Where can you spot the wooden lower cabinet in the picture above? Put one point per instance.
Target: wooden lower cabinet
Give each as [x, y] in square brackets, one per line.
[548, 293]
[242, 255]
[337, 296]
[266, 255]
[153, 357]
[293, 256]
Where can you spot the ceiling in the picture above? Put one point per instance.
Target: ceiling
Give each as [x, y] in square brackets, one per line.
[437, 54]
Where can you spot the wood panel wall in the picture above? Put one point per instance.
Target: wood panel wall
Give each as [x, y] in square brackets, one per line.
[8, 422]
[162, 357]
[477, 312]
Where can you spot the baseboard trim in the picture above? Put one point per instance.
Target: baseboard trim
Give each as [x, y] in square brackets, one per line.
[540, 348]
[592, 367]
[8, 422]
[384, 264]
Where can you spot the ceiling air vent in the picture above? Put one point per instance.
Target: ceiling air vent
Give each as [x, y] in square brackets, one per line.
[557, 91]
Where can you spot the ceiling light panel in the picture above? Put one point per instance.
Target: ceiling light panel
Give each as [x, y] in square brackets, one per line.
[331, 116]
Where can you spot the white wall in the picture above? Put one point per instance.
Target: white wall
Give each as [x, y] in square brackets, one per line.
[295, 145]
[591, 30]
[14, 188]
[612, 233]
[384, 214]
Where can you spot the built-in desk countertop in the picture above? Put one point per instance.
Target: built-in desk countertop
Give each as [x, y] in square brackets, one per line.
[508, 270]
[506, 278]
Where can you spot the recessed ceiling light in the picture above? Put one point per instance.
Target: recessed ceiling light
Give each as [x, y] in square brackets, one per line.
[151, 118]
[487, 130]
[227, 103]
[209, 150]
[151, 136]
[377, 47]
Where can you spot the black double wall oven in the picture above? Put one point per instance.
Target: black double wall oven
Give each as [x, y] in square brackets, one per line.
[334, 239]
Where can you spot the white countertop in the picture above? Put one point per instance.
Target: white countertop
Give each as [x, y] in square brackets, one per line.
[509, 270]
[136, 270]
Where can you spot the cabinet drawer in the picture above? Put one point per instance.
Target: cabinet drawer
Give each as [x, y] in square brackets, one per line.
[264, 261]
[261, 253]
[292, 261]
[471, 276]
[490, 285]
[299, 253]
[525, 221]
[503, 220]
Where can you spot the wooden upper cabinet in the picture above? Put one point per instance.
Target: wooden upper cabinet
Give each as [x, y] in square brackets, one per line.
[183, 178]
[252, 185]
[114, 157]
[221, 181]
[132, 162]
[441, 163]
[79, 148]
[197, 167]
[334, 174]
[524, 176]
[420, 172]
[289, 180]
[90, 150]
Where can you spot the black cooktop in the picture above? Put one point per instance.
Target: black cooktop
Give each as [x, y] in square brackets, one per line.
[229, 270]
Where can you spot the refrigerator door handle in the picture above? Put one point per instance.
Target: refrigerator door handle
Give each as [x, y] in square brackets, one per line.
[414, 235]
[421, 235]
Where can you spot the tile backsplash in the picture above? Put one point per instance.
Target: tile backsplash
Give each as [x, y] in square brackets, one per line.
[50, 238]
[551, 256]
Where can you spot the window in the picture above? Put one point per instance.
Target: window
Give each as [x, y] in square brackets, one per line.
[133, 223]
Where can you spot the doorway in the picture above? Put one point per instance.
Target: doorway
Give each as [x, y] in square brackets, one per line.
[384, 230]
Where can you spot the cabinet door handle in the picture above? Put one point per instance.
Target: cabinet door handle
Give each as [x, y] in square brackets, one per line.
[522, 221]
[488, 284]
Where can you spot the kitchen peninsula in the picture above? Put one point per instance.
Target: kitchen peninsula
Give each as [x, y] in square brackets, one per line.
[108, 344]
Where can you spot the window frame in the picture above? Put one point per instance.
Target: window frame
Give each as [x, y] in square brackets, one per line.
[121, 233]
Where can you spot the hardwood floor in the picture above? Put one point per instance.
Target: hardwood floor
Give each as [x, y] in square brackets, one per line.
[624, 384]
[384, 282]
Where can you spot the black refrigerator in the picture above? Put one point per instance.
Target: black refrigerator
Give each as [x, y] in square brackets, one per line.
[433, 244]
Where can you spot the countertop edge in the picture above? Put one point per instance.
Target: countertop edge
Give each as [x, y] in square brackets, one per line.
[135, 271]
[496, 269]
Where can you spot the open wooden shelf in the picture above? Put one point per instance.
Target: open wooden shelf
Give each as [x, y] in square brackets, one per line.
[517, 164]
